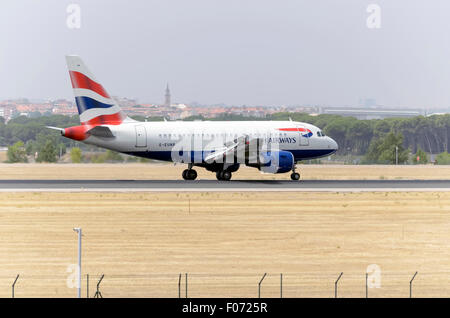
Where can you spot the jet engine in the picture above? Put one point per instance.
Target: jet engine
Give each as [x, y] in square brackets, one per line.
[276, 161]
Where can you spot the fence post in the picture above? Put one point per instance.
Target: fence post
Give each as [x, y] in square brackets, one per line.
[259, 285]
[14, 285]
[367, 288]
[336, 283]
[281, 285]
[410, 284]
[98, 294]
[179, 286]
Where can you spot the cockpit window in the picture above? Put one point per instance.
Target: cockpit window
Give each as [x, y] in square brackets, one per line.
[320, 133]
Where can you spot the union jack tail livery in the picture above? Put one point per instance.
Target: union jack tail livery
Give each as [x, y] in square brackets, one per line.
[94, 104]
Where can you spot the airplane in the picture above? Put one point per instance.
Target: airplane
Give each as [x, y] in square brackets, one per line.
[218, 146]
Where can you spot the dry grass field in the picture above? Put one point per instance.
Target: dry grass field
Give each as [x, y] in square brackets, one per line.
[226, 241]
[169, 171]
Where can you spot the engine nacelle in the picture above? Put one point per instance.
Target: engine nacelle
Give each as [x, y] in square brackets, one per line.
[277, 161]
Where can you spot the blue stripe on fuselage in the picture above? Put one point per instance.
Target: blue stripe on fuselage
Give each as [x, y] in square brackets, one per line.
[84, 103]
[299, 154]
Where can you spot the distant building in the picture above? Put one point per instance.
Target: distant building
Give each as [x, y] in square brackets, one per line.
[367, 102]
[7, 112]
[371, 113]
[167, 101]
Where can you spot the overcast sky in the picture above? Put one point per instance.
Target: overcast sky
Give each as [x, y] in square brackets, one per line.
[253, 52]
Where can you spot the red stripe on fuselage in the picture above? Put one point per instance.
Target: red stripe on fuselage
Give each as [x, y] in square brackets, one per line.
[292, 129]
[80, 80]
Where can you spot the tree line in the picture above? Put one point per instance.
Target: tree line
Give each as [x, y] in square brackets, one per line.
[377, 140]
[431, 134]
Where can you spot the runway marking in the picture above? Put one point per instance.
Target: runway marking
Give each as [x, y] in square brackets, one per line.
[75, 190]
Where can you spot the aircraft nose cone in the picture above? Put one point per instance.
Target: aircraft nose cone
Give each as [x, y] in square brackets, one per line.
[333, 144]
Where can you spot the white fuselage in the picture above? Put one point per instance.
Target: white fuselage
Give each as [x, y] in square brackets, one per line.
[159, 140]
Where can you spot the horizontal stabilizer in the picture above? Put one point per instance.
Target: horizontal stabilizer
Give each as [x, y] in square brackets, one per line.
[61, 130]
[101, 131]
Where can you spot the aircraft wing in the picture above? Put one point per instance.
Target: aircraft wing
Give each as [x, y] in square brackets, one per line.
[231, 148]
[220, 153]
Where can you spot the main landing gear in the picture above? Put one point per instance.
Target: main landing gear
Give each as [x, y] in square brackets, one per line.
[189, 174]
[295, 175]
[223, 175]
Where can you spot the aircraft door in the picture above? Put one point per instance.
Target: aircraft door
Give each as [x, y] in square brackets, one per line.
[303, 136]
[141, 136]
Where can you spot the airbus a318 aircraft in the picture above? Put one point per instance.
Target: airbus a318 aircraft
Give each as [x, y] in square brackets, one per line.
[218, 146]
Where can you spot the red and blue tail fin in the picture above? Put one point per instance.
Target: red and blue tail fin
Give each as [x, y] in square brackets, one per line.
[94, 104]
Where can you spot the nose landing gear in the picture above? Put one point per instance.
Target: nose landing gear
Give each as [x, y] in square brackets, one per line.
[295, 176]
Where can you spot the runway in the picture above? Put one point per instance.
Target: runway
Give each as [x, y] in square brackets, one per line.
[217, 186]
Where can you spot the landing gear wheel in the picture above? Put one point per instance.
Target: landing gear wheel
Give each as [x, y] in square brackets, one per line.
[295, 176]
[226, 176]
[223, 175]
[192, 174]
[189, 174]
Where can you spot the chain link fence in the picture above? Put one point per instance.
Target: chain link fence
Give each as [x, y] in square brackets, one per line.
[233, 285]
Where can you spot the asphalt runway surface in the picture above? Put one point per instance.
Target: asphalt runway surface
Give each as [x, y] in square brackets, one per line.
[234, 185]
